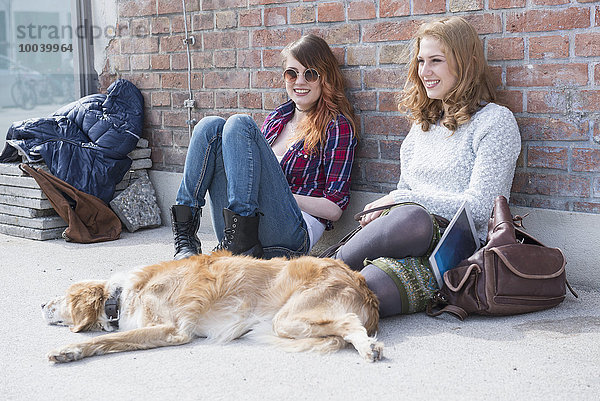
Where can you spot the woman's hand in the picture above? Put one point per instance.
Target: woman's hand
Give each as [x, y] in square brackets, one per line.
[384, 201]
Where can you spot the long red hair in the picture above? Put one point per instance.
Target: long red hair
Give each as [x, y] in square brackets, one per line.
[313, 52]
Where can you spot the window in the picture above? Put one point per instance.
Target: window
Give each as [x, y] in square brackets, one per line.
[44, 61]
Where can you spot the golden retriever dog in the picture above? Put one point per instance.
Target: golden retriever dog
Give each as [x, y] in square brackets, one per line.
[299, 304]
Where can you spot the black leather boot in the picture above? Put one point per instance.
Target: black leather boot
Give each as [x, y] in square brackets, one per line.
[241, 235]
[185, 221]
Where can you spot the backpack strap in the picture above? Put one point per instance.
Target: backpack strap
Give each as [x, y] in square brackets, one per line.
[454, 310]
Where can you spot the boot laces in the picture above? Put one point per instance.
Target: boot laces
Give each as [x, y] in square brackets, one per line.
[183, 238]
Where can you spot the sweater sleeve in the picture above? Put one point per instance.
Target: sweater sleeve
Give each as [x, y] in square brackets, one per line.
[496, 144]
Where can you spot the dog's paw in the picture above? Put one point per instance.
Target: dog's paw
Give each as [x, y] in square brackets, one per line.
[66, 354]
[375, 353]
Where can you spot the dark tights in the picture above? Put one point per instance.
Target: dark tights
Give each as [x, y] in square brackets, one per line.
[406, 230]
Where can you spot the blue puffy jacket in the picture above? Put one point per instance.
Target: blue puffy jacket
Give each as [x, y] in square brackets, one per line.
[85, 143]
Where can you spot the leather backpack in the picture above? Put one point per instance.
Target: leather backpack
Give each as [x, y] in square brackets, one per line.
[89, 218]
[513, 273]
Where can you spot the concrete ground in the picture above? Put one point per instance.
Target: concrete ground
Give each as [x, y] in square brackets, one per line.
[549, 355]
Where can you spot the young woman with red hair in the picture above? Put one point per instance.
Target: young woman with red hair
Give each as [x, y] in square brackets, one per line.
[273, 190]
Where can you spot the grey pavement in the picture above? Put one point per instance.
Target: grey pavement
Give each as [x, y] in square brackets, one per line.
[549, 355]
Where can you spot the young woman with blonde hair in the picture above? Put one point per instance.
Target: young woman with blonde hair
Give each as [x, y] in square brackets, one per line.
[461, 147]
[292, 175]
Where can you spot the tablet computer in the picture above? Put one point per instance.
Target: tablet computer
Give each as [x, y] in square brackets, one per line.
[458, 242]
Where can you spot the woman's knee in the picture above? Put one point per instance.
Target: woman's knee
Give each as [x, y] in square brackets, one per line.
[238, 124]
[208, 127]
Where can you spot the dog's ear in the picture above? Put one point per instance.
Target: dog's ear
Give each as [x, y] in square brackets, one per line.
[86, 301]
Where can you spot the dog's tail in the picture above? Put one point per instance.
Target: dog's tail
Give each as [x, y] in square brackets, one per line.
[319, 344]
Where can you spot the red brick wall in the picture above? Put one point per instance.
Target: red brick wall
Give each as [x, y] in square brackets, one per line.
[545, 56]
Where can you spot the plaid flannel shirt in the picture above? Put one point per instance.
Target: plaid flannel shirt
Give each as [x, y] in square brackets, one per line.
[326, 171]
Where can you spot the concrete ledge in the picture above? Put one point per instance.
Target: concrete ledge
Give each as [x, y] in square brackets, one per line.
[576, 234]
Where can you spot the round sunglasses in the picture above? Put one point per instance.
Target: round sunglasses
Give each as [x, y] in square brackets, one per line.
[310, 75]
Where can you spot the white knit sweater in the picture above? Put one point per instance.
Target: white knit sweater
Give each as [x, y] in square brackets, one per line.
[441, 169]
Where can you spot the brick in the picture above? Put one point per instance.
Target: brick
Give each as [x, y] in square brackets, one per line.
[250, 18]
[250, 100]
[272, 58]
[224, 59]
[248, 58]
[485, 23]
[226, 100]
[550, 2]
[585, 159]
[382, 172]
[175, 118]
[226, 19]
[388, 101]
[587, 100]
[338, 34]
[547, 74]
[160, 62]
[548, 157]
[137, 8]
[506, 49]
[549, 47]
[174, 80]
[390, 149]
[364, 55]
[174, 156]
[586, 207]
[352, 77]
[120, 63]
[140, 27]
[222, 4]
[275, 16]
[273, 99]
[173, 43]
[597, 15]
[429, 7]
[388, 31]
[303, 15]
[159, 99]
[204, 99]
[383, 78]
[587, 44]
[597, 74]
[393, 125]
[552, 129]
[511, 99]
[144, 80]
[361, 9]
[465, 5]
[267, 79]
[266, 38]
[179, 61]
[367, 149]
[140, 62]
[139, 45]
[330, 12]
[177, 24]
[172, 7]
[394, 8]
[202, 59]
[226, 79]
[548, 20]
[551, 184]
[363, 100]
[161, 137]
[549, 101]
[226, 40]
[203, 21]
[394, 54]
[497, 4]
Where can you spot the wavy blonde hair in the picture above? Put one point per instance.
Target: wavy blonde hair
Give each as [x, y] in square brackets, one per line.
[313, 52]
[464, 52]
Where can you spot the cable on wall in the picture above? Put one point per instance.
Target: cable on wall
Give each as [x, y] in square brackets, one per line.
[189, 103]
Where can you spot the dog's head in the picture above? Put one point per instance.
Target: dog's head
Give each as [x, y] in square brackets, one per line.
[82, 308]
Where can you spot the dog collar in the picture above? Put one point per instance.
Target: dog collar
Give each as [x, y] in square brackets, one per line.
[111, 308]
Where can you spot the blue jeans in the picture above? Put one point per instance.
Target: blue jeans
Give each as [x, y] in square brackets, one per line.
[232, 160]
